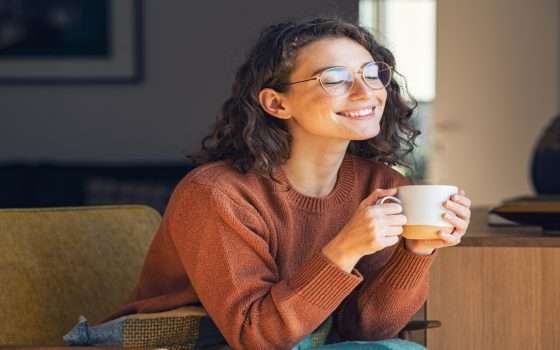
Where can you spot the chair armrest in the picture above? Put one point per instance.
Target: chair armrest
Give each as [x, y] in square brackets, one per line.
[421, 324]
[418, 325]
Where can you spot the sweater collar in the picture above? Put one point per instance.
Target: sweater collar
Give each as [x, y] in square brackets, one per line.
[340, 193]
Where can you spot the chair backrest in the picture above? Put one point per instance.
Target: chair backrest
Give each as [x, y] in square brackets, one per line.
[59, 263]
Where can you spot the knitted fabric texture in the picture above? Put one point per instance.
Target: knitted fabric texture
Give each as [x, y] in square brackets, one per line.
[248, 249]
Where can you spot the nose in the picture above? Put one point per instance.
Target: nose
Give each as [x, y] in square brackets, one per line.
[360, 90]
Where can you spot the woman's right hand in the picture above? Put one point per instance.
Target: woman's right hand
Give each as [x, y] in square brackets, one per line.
[371, 229]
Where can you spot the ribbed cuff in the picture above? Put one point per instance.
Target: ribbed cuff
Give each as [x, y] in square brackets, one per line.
[406, 269]
[322, 283]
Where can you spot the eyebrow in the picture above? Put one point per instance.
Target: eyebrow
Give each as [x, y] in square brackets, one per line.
[320, 70]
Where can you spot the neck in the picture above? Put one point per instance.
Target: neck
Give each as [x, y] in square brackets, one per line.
[312, 169]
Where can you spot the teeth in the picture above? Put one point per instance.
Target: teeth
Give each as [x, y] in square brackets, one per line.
[357, 114]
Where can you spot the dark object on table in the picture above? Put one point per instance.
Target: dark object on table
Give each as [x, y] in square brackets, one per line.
[536, 211]
[25, 185]
[545, 167]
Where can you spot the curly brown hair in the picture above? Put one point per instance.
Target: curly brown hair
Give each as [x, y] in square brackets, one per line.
[253, 140]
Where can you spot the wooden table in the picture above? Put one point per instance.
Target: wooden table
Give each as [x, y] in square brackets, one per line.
[499, 289]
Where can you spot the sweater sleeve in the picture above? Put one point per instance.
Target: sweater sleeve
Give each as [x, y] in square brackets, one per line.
[395, 288]
[393, 291]
[223, 246]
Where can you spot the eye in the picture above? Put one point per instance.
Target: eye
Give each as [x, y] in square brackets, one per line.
[336, 76]
[335, 82]
[371, 72]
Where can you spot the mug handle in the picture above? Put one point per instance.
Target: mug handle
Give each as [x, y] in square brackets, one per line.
[382, 200]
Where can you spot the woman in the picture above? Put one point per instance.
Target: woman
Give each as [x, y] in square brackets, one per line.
[278, 230]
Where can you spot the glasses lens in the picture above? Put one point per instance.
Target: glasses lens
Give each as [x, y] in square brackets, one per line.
[377, 75]
[336, 81]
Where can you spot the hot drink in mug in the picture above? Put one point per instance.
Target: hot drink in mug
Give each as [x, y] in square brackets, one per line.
[423, 207]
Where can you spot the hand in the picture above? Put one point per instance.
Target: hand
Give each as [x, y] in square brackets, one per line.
[370, 229]
[460, 217]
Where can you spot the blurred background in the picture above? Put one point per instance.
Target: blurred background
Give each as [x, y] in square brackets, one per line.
[100, 100]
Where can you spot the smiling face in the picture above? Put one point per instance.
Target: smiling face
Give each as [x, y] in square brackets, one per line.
[312, 113]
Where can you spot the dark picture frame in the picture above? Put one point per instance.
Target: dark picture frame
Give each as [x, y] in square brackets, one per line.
[104, 46]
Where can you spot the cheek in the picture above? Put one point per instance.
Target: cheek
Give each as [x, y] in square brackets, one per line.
[382, 100]
[382, 97]
[317, 105]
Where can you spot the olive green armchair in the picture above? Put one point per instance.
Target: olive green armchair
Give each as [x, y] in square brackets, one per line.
[59, 263]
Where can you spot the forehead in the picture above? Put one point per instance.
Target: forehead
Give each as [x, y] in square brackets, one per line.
[329, 52]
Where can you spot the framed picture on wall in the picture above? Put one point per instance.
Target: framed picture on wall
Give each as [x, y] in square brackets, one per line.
[70, 41]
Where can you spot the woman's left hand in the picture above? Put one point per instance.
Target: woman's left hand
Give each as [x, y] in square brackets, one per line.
[460, 215]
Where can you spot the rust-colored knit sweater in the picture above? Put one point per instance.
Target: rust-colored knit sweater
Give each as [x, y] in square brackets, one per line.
[249, 250]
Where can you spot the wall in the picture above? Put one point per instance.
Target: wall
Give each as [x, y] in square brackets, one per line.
[497, 87]
[191, 52]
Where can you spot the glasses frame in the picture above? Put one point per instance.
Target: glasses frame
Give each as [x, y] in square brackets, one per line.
[362, 74]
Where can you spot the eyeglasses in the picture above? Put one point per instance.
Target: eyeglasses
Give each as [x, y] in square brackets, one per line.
[338, 81]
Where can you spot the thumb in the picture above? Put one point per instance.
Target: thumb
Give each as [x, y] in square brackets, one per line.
[375, 195]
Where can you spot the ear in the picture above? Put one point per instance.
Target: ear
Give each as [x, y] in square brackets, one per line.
[274, 103]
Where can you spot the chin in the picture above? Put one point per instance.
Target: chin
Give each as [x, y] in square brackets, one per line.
[363, 138]
[365, 135]
[359, 130]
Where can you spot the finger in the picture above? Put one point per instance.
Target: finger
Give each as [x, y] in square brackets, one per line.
[459, 233]
[461, 199]
[393, 231]
[457, 222]
[396, 220]
[449, 238]
[459, 210]
[392, 240]
[375, 195]
[390, 208]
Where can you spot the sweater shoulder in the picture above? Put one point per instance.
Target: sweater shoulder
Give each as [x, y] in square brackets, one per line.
[221, 175]
[220, 178]
[218, 189]
[378, 173]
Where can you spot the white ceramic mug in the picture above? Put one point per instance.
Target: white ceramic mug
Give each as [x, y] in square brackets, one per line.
[423, 208]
